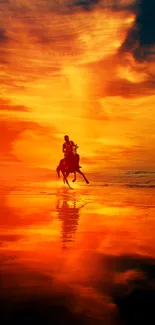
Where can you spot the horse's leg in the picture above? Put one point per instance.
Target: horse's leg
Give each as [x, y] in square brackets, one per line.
[64, 177]
[74, 177]
[60, 167]
[66, 180]
[86, 180]
[58, 170]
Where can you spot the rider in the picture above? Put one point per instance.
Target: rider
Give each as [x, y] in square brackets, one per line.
[69, 150]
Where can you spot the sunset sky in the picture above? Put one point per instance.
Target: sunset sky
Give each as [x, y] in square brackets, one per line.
[83, 68]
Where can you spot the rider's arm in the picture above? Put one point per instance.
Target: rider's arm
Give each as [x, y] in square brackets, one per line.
[63, 148]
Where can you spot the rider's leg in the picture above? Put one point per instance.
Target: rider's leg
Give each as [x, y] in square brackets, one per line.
[66, 159]
[78, 159]
[69, 160]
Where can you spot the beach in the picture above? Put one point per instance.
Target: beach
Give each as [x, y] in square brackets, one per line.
[79, 250]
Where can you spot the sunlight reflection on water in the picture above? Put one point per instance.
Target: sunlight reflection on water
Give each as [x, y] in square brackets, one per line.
[75, 240]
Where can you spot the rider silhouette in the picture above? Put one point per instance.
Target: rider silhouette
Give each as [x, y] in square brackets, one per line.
[69, 150]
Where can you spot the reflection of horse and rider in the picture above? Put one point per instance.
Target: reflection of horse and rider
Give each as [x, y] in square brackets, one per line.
[70, 162]
[68, 211]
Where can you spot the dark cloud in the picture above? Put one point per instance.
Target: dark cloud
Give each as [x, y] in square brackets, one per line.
[87, 4]
[141, 37]
[114, 5]
[146, 22]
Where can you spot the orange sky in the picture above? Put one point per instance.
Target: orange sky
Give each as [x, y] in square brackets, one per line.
[62, 72]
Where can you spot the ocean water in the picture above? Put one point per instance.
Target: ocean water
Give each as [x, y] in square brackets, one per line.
[85, 255]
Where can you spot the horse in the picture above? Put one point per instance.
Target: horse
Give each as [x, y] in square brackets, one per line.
[66, 170]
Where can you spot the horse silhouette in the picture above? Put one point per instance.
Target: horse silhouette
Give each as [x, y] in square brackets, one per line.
[67, 169]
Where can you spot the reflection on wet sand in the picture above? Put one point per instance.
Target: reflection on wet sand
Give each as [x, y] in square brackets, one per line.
[68, 213]
[109, 256]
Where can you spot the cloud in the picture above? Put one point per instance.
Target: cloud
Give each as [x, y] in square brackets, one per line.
[10, 132]
[127, 89]
[64, 54]
[141, 37]
[86, 4]
[4, 41]
[121, 75]
[7, 105]
[61, 37]
[89, 5]
[3, 36]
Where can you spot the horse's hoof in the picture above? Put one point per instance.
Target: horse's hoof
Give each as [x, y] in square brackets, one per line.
[87, 182]
[73, 180]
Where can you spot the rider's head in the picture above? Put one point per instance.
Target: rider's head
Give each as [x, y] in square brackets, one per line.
[66, 137]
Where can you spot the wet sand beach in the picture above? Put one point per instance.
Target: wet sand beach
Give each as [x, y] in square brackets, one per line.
[70, 256]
